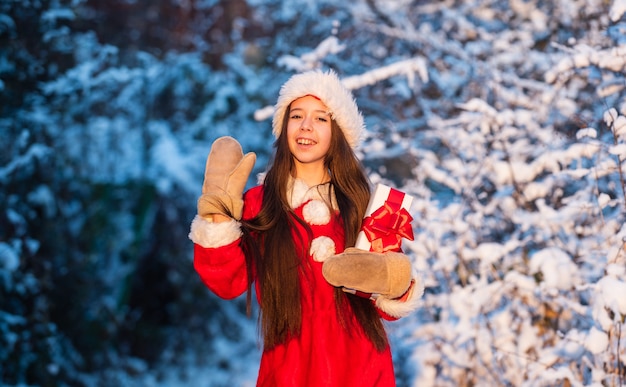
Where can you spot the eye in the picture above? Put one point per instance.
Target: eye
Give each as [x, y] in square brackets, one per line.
[295, 116]
[322, 119]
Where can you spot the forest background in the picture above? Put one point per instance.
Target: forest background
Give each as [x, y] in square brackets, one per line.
[504, 119]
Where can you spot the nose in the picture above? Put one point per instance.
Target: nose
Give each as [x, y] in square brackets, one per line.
[306, 124]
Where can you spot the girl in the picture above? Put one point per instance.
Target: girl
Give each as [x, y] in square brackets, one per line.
[288, 236]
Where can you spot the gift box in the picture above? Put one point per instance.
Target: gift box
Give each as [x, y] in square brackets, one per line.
[386, 222]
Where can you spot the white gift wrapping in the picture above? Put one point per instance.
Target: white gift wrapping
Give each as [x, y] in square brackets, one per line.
[387, 220]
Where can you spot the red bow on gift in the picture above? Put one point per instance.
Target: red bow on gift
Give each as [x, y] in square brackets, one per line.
[386, 226]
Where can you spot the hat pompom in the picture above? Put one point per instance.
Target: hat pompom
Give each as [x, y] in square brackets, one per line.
[328, 88]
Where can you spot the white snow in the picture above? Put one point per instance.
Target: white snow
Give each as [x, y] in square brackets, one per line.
[510, 136]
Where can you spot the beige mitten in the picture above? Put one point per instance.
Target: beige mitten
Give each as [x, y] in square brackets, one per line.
[388, 274]
[225, 177]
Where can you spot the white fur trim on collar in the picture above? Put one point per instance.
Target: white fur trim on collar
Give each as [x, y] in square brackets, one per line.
[328, 88]
[298, 193]
[209, 234]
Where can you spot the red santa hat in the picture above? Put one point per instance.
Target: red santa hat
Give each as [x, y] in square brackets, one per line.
[327, 87]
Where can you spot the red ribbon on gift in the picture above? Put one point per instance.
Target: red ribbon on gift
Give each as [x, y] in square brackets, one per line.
[386, 226]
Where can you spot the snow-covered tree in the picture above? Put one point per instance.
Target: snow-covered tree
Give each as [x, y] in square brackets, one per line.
[505, 121]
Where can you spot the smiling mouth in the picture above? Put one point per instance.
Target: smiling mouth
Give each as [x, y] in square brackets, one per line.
[305, 141]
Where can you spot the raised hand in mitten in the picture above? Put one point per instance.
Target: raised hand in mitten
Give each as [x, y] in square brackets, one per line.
[225, 176]
[387, 274]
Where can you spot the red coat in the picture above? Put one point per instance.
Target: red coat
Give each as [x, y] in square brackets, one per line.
[324, 354]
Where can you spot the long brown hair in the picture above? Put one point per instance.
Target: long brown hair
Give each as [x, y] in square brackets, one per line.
[272, 252]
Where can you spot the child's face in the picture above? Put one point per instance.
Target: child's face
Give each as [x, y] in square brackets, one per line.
[309, 130]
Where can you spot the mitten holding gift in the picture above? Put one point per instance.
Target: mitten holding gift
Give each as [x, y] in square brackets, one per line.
[387, 277]
[226, 173]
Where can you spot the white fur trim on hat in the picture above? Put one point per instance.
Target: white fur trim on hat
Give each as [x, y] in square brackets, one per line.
[209, 234]
[322, 247]
[328, 88]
